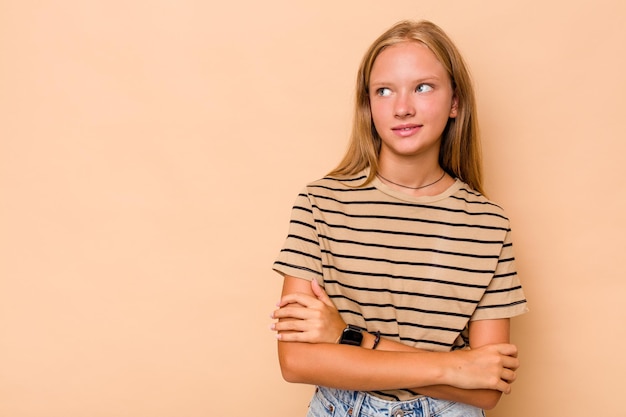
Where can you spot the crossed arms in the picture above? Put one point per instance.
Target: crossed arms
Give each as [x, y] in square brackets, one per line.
[309, 326]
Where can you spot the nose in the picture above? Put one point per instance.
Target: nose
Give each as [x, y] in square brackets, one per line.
[403, 106]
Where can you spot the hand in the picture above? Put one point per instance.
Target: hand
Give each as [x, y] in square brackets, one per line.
[489, 367]
[308, 318]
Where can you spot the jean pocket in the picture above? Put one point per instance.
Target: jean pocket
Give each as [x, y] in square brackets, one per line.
[321, 406]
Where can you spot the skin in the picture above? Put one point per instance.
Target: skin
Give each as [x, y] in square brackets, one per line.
[411, 98]
[410, 89]
[308, 320]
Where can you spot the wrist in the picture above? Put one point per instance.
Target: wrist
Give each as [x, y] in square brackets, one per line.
[351, 335]
[451, 366]
[376, 335]
[368, 340]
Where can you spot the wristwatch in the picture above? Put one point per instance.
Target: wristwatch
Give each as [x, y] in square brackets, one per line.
[351, 335]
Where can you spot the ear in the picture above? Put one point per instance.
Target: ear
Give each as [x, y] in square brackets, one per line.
[455, 107]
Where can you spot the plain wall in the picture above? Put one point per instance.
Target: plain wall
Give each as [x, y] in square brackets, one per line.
[150, 152]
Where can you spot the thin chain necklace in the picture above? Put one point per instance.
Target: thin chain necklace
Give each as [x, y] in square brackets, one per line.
[412, 188]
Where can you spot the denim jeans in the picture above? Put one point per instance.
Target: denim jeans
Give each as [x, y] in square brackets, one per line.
[329, 402]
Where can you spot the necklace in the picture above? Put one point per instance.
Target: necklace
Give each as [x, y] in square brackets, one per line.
[412, 188]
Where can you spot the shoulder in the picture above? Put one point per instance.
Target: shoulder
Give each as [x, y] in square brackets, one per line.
[335, 193]
[334, 184]
[476, 204]
[351, 181]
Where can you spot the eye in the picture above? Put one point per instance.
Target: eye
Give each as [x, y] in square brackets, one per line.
[424, 88]
[383, 92]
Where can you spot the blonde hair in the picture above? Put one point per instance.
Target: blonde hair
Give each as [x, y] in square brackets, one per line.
[460, 154]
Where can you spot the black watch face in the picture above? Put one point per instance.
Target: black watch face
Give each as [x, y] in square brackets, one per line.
[351, 336]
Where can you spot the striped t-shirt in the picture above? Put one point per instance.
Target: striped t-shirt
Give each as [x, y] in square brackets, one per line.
[417, 269]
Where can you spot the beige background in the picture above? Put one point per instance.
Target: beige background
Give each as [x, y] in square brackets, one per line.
[150, 152]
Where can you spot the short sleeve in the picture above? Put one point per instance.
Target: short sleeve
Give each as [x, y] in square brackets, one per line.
[300, 256]
[504, 297]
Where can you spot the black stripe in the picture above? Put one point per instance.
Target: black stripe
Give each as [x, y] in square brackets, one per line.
[340, 179]
[392, 232]
[425, 341]
[469, 191]
[297, 267]
[305, 209]
[405, 204]
[509, 274]
[394, 320]
[304, 224]
[397, 307]
[434, 266]
[484, 203]
[363, 216]
[305, 254]
[501, 305]
[304, 239]
[437, 281]
[339, 190]
[397, 292]
[377, 245]
[519, 287]
[409, 339]
[422, 326]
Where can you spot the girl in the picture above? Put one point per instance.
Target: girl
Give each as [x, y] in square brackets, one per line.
[399, 277]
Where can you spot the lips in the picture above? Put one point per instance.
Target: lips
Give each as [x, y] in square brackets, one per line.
[406, 129]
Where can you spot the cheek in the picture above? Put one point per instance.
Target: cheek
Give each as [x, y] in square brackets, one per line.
[377, 111]
[435, 112]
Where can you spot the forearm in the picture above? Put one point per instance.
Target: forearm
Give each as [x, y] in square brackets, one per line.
[481, 398]
[354, 368]
[309, 325]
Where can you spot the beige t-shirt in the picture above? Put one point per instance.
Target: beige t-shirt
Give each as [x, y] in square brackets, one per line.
[417, 269]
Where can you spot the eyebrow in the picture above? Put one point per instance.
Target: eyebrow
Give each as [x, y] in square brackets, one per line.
[420, 80]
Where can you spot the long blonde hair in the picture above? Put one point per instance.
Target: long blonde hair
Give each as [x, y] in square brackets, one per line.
[460, 153]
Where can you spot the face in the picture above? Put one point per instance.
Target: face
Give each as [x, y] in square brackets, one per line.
[411, 100]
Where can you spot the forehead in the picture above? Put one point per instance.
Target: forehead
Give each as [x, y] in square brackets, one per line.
[407, 58]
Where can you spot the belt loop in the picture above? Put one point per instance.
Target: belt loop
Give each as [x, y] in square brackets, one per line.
[425, 406]
[358, 402]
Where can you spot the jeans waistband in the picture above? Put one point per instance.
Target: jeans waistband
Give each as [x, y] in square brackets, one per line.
[358, 403]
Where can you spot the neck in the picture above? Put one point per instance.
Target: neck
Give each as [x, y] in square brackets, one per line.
[411, 174]
[412, 187]
[414, 176]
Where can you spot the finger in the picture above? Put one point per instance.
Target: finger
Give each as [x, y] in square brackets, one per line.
[292, 337]
[509, 375]
[289, 326]
[305, 300]
[292, 313]
[510, 362]
[507, 349]
[320, 293]
[503, 387]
